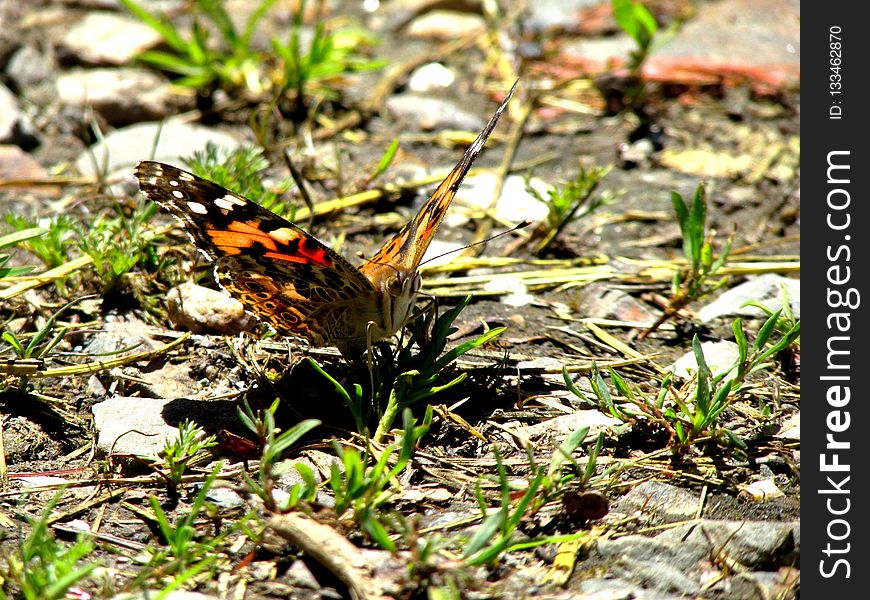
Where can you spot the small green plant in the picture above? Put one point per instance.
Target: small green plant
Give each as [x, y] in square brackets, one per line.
[14, 239]
[177, 453]
[694, 412]
[363, 487]
[497, 532]
[274, 443]
[564, 203]
[231, 64]
[421, 365]
[636, 20]
[332, 52]
[241, 170]
[693, 282]
[119, 243]
[234, 63]
[53, 246]
[187, 552]
[43, 568]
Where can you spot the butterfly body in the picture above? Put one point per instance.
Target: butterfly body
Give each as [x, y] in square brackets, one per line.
[291, 280]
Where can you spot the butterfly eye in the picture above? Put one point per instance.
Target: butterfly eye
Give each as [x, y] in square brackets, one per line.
[394, 286]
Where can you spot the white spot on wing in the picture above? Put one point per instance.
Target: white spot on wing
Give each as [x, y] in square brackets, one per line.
[198, 208]
[226, 203]
[178, 194]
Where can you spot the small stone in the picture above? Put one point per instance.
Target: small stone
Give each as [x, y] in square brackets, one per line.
[719, 356]
[765, 289]
[446, 24]
[106, 38]
[121, 96]
[763, 490]
[431, 77]
[791, 428]
[204, 310]
[15, 163]
[512, 290]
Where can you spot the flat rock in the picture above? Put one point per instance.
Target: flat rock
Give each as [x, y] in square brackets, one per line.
[751, 543]
[132, 425]
[557, 429]
[121, 149]
[121, 96]
[108, 38]
[514, 204]
[765, 289]
[660, 501]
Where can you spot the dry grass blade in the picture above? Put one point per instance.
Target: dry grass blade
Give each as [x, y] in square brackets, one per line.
[33, 281]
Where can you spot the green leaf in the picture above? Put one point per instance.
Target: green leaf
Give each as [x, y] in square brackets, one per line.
[565, 450]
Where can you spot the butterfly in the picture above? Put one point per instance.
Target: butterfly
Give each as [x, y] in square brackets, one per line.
[288, 278]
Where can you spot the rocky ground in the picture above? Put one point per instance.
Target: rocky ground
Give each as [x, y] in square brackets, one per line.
[98, 372]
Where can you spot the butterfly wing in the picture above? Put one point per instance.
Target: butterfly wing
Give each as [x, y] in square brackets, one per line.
[405, 250]
[281, 274]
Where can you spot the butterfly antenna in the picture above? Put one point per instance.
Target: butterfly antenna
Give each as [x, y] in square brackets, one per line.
[472, 245]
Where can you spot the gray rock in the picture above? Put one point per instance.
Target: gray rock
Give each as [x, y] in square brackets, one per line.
[661, 501]
[121, 96]
[107, 38]
[204, 310]
[132, 425]
[601, 300]
[427, 113]
[765, 289]
[123, 148]
[28, 66]
[684, 556]
[751, 543]
[720, 357]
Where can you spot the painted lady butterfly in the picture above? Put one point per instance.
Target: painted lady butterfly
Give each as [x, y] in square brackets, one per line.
[291, 280]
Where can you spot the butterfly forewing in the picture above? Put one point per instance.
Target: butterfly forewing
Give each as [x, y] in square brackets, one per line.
[278, 271]
[406, 249]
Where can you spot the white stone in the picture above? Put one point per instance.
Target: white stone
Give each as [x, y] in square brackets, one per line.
[431, 77]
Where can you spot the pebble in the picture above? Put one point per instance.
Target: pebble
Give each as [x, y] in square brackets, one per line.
[204, 310]
[15, 128]
[431, 77]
